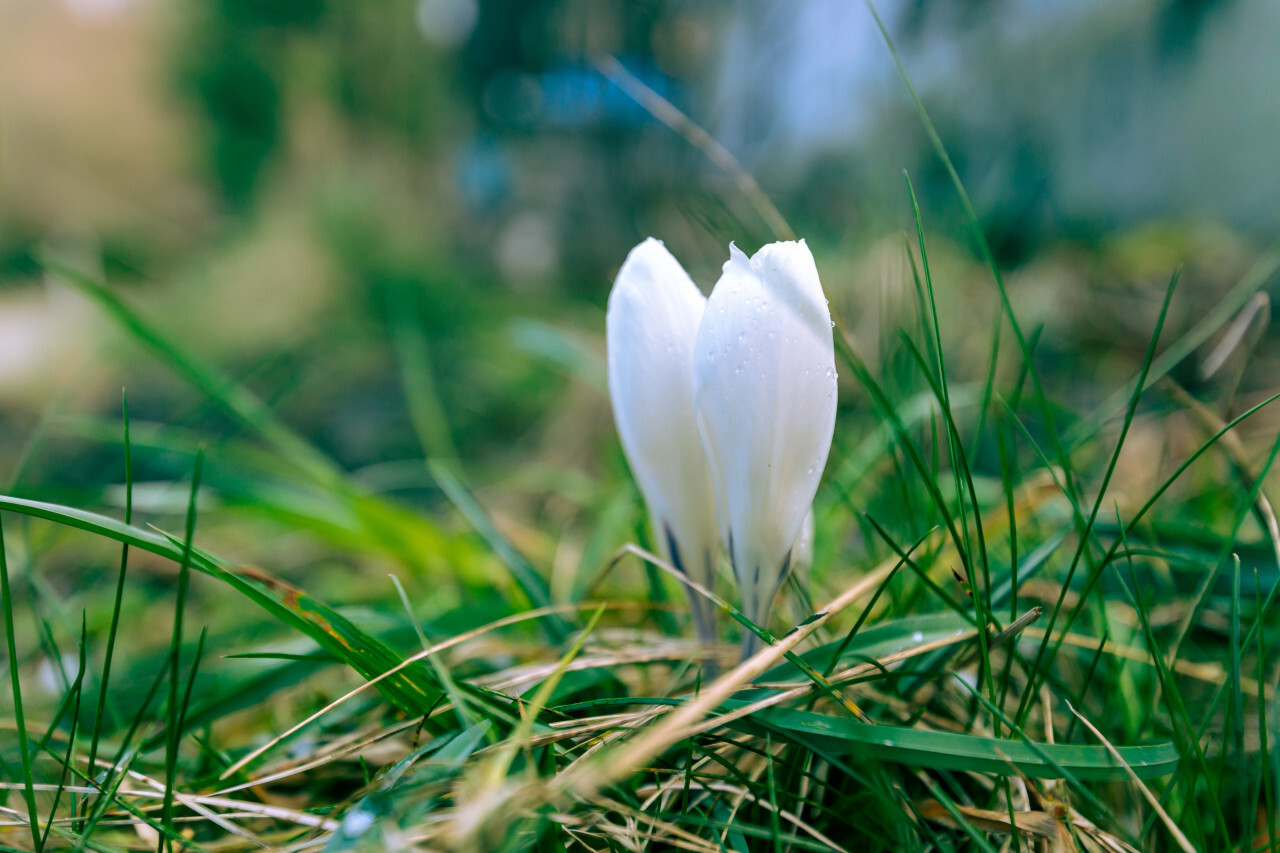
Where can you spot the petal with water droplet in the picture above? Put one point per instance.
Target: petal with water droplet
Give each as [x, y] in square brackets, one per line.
[767, 431]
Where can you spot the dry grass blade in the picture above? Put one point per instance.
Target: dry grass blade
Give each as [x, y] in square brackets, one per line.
[1207, 672]
[1037, 823]
[797, 690]
[334, 751]
[587, 778]
[746, 794]
[670, 115]
[260, 810]
[204, 811]
[1235, 450]
[409, 661]
[658, 653]
[1258, 304]
[1177, 833]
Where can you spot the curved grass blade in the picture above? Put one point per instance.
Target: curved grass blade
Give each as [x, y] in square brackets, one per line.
[236, 399]
[524, 574]
[952, 751]
[413, 691]
[383, 523]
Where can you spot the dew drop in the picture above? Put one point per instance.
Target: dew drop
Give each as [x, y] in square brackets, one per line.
[356, 822]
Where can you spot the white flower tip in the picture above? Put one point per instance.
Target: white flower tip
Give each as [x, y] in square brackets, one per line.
[648, 249]
[736, 256]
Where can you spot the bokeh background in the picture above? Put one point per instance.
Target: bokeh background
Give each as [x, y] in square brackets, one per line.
[284, 187]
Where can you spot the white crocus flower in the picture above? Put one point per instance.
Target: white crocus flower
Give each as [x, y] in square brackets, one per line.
[652, 322]
[765, 385]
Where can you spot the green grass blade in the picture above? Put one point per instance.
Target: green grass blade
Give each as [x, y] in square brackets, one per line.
[68, 760]
[525, 576]
[120, 763]
[336, 634]
[179, 612]
[118, 601]
[24, 747]
[975, 226]
[456, 698]
[1267, 782]
[941, 750]
[1178, 713]
[1223, 310]
[237, 400]
[864, 376]
[425, 409]
[1043, 657]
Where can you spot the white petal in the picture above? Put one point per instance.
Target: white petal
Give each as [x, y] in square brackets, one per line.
[802, 551]
[765, 383]
[652, 321]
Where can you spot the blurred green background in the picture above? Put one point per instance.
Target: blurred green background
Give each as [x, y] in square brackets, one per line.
[396, 224]
[303, 193]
